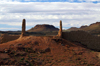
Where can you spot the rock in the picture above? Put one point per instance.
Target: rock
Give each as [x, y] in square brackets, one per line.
[47, 49]
[6, 50]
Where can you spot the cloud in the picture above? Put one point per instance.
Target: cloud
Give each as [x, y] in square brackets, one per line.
[8, 29]
[78, 1]
[71, 14]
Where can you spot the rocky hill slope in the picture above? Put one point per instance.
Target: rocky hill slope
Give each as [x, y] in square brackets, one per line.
[43, 28]
[45, 51]
[93, 28]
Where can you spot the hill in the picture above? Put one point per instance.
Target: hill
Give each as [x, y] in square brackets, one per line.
[43, 28]
[84, 26]
[76, 29]
[44, 51]
[73, 29]
[92, 28]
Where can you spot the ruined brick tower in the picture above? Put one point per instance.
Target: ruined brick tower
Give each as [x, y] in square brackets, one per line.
[23, 28]
[60, 30]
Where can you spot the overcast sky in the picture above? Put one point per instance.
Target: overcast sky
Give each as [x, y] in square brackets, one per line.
[73, 13]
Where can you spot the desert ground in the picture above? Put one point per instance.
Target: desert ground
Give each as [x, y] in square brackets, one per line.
[45, 51]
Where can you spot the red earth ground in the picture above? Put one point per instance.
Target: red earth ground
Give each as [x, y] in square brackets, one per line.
[45, 51]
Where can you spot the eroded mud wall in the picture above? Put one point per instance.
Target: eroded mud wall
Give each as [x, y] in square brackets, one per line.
[84, 38]
[6, 38]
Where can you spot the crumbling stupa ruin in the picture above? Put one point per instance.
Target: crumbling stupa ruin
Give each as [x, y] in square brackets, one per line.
[23, 28]
[60, 30]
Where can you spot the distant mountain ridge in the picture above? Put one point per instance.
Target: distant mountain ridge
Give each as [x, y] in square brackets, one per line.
[84, 26]
[95, 23]
[43, 28]
[93, 28]
[73, 29]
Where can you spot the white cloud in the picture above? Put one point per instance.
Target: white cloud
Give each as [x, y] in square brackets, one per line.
[71, 14]
[27, 0]
[92, 0]
[8, 28]
[6, 1]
